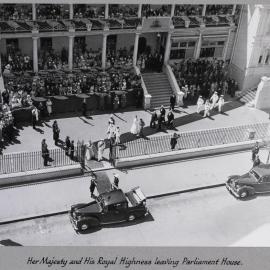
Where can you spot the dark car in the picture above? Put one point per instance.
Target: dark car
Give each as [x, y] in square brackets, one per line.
[111, 207]
[257, 180]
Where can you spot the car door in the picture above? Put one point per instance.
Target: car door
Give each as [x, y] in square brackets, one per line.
[265, 184]
[113, 213]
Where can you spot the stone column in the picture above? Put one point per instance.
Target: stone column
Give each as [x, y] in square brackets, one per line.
[104, 50]
[35, 54]
[140, 11]
[135, 51]
[233, 10]
[34, 12]
[167, 48]
[172, 10]
[198, 47]
[71, 11]
[70, 52]
[204, 10]
[106, 11]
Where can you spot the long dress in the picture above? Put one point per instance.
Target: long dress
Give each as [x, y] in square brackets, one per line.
[49, 107]
[90, 154]
[117, 136]
[135, 126]
[101, 147]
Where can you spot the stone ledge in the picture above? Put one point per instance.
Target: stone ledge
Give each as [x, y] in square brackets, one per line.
[39, 175]
[184, 154]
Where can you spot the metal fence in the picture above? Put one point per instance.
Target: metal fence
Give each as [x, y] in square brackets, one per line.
[29, 161]
[194, 139]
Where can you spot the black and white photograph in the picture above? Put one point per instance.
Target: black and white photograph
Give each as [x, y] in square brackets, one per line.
[134, 123]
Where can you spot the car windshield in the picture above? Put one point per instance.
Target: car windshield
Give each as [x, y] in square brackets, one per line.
[257, 177]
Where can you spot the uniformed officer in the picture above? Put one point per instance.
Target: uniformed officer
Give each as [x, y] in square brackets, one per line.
[255, 150]
[93, 185]
[115, 184]
[256, 161]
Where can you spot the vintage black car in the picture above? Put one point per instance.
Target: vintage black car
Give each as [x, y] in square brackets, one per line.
[110, 207]
[257, 180]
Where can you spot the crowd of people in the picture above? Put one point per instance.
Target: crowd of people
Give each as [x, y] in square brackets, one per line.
[150, 61]
[219, 9]
[88, 11]
[188, 10]
[55, 12]
[123, 11]
[15, 61]
[52, 60]
[190, 75]
[15, 12]
[149, 10]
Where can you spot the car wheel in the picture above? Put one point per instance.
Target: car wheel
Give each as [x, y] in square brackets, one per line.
[131, 217]
[84, 227]
[243, 194]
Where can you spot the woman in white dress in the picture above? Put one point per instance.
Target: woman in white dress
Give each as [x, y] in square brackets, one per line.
[117, 136]
[101, 147]
[135, 126]
[49, 106]
[111, 131]
[89, 151]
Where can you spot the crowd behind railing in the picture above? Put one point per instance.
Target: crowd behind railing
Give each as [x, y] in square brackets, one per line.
[204, 77]
[58, 12]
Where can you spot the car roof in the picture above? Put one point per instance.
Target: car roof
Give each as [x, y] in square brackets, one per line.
[113, 197]
[262, 169]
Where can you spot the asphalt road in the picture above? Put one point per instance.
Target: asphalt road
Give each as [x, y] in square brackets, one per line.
[202, 218]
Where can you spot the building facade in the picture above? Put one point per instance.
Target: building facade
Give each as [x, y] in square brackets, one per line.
[239, 34]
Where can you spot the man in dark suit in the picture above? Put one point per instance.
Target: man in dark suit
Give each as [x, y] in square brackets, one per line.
[173, 141]
[162, 113]
[170, 118]
[255, 150]
[56, 132]
[45, 152]
[172, 101]
[153, 119]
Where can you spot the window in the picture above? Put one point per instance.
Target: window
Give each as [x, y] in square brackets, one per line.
[212, 47]
[182, 49]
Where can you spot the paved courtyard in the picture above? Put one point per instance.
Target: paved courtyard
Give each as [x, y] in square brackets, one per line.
[94, 127]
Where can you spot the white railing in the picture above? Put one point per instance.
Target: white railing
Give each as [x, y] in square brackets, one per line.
[147, 96]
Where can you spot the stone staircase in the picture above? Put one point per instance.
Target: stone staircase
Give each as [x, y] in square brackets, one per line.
[248, 96]
[158, 86]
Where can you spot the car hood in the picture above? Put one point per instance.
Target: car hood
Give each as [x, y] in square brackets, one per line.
[87, 208]
[243, 179]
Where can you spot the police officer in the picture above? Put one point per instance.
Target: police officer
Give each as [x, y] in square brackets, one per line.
[115, 184]
[93, 185]
[255, 150]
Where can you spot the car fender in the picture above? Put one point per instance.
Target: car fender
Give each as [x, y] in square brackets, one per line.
[251, 190]
[91, 221]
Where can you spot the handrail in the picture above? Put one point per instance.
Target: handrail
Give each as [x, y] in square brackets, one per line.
[147, 96]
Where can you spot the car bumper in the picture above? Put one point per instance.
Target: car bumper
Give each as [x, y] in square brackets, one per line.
[232, 191]
[73, 222]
